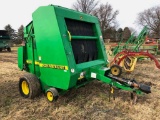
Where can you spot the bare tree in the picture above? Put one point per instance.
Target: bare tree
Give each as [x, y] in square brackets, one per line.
[151, 18]
[106, 16]
[11, 32]
[119, 33]
[86, 6]
[126, 33]
[20, 35]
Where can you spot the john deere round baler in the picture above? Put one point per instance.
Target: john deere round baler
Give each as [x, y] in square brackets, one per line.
[64, 49]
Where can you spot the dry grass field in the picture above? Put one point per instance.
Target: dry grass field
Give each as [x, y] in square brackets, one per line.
[88, 102]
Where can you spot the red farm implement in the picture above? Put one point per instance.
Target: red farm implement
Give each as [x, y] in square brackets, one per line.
[127, 60]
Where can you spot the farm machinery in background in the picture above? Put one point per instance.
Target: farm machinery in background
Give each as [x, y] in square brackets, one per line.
[142, 42]
[127, 60]
[126, 55]
[5, 43]
[64, 49]
[153, 45]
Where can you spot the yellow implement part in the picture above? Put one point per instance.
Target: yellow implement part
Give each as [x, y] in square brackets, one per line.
[134, 59]
[128, 61]
[69, 34]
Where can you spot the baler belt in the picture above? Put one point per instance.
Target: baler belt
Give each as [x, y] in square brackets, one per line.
[84, 50]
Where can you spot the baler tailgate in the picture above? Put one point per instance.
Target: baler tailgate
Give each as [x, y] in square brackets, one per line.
[83, 40]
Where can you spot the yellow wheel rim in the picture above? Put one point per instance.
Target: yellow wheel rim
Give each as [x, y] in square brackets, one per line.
[115, 71]
[25, 87]
[50, 96]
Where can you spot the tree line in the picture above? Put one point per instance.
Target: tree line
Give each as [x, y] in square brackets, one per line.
[16, 37]
[107, 19]
[109, 25]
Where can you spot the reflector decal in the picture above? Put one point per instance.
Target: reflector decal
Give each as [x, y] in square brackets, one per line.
[61, 67]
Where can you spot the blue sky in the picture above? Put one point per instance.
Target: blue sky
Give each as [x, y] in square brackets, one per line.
[19, 12]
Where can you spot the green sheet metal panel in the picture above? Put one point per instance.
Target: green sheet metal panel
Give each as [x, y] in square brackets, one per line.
[20, 58]
[50, 48]
[29, 48]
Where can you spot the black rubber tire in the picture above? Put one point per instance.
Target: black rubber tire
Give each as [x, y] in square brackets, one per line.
[9, 49]
[33, 85]
[54, 94]
[116, 70]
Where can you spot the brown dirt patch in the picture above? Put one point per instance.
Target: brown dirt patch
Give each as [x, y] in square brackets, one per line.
[88, 102]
